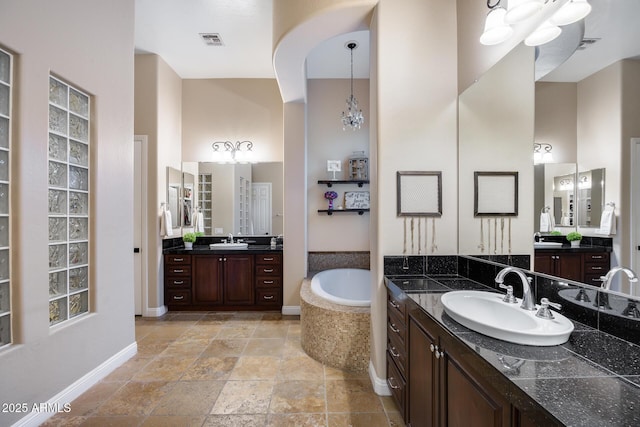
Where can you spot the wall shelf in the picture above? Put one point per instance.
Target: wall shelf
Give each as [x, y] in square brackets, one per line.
[331, 211]
[331, 182]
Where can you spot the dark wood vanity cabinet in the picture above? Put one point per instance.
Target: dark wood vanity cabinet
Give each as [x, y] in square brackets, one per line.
[223, 281]
[585, 267]
[397, 349]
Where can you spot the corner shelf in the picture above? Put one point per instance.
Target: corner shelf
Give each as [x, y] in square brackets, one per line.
[331, 211]
[330, 182]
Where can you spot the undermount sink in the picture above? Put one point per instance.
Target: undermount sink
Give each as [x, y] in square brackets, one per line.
[228, 245]
[547, 244]
[485, 312]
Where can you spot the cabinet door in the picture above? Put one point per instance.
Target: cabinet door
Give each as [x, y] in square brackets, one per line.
[569, 266]
[422, 380]
[238, 279]
[544, 263]
[207, 279]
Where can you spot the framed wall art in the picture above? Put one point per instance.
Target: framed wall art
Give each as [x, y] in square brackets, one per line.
[419, 193]
[495, 194]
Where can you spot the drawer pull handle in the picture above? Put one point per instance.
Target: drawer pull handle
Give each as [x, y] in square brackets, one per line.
[267, 259]
[394, 387]
[176, 297]
[394, 304]
[268, 282]
[596, 268]
[178, 282]
[393, 353]
[268, 270]
[596, 256]
[268, 297]
[393, 328]
[178, 259]
[178, 271]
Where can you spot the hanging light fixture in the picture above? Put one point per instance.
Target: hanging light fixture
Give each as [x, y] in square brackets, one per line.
[228, 152]
[352, 117]
[572, 11]
[495, 29]
[519, 10]
[545, 33]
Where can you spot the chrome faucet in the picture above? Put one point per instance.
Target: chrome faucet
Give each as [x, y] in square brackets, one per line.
[608, 278]
[527, 296]
[230, 237]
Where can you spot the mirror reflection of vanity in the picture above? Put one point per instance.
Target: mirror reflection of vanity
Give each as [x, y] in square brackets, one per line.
[174, 196]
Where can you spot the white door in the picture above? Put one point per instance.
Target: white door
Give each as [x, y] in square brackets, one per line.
[139, 223]
[261, 207]
[635, 201]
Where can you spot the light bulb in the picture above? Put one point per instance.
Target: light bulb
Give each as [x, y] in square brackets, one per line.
[495, 29]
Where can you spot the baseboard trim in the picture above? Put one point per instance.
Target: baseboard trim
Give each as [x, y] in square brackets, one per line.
[291, 310]
[155, 311]
[380, 385]
[72, 392]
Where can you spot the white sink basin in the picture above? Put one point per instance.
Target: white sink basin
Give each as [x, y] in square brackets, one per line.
[485, 312]
[540, 245]
[228, 246]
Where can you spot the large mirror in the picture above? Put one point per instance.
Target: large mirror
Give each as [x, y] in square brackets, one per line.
[555, 193]
[241, 199]
[174, 195]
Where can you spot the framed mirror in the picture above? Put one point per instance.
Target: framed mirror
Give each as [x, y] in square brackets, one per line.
[174, 195]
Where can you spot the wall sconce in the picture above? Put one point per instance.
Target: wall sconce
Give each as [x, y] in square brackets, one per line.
[570, 12]
[542, 153]
[519, 10]
[496, 30]
[228, 152]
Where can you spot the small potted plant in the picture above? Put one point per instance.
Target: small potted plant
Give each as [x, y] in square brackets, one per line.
[188, 239]
[574, 238]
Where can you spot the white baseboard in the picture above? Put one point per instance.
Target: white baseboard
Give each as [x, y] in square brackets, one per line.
[77, 388]
[291, 310]
[380, 385]
[155, 311]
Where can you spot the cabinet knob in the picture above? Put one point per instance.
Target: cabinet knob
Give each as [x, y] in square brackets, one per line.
[219, 259]
[432, 348]
[394, 304]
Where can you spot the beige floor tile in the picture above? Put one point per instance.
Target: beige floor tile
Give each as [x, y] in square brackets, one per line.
[189, 398]
[255, 420]
[237, 331]
[264, 347]
[395, 419]
[244, 397]
[173, 421]
[352, 396]
[127, 370]
[389, 404]
[113, 421]
[172, 331]
[206, 331]
[164, 369]
[297, 420]
[255, 368]
[294, 331]
[378, 419]
[135, 398]
[63, 421]
[225, 347]
[90, 400]
[340, 374]
[292, 348]
[210, 368]
[301, 368]
[150, 346]
[298, 396]
[182, 348]
[271, 330]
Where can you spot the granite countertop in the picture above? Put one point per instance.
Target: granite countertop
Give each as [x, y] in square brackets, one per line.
[569, 248]
[591, 380]
[205, 250]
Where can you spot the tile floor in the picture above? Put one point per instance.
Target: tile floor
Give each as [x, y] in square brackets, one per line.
[227, 369]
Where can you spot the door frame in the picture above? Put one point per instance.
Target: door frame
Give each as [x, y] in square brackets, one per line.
[141, 284]
[635, 207]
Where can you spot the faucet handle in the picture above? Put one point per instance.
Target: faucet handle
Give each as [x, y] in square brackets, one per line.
[509, 296]
[544, 312]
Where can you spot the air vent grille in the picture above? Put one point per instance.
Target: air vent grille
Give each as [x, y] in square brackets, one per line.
[212, 39]
[585, 43]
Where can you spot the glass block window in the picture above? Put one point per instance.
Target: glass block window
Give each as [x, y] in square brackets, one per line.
[69, 131]
[6, 72]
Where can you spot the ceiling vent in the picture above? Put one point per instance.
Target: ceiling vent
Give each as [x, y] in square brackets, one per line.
[585, 43]
[212, 39]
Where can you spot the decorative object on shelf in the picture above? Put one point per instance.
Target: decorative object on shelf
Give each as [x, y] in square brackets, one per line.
[228, 152]
[358, 166]
[353, 117]
[189, 239]
[574, 238]
[542, 153]
[334, 166]
[419, 193]
[330, 196]
[356, 200]
[496, 194]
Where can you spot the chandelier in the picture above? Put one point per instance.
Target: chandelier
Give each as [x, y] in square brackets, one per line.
[352, 117]
[228, 152]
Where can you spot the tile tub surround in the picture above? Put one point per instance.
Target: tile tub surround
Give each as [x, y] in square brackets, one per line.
[320, 261]
[336, 335]
[590, 380]
[235, 369]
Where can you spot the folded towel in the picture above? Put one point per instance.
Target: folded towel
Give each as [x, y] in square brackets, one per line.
[608, 221]
[166, 230]
[545, 222]
[200, 222]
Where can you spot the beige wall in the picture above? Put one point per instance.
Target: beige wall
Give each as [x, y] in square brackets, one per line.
[58, 37]
[327, 141]
[556, 114]
[231, 110]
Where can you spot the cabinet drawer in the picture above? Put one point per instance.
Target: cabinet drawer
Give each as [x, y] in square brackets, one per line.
[177, 259]
[177, 297]
[594, 279]
[599, 258]
[398, 353]
[268, 282]
[396, 327]
[396, 306]
[178, 270]
[590, 269]
[398, 386]
[269, 296]
[268, 270]
[178, 282]
[268, 259]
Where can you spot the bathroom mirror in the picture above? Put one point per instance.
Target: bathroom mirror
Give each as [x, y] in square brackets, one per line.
[174, 194]
[555, 191]
[243, 199]
[188, 182]
[590, 201]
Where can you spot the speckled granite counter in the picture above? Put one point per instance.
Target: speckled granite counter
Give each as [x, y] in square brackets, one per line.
[204, 250]
[592, 380]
